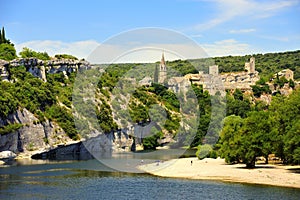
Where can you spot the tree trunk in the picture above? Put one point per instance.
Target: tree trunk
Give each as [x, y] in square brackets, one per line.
[250, 164]
[267, 159]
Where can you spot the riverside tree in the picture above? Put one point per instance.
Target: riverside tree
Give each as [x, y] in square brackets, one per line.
[242, 140]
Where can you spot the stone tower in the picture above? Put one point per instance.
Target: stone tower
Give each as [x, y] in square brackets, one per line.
[162, 70]
[250, 66]
[214, 70]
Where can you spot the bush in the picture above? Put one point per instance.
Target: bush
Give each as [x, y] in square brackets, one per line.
[10, 128]
[7, 52]
[65, 56]
[203, 151]
[28, 53]
[151, 142]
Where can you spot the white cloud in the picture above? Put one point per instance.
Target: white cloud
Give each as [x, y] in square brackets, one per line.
[230, 9]
[281, 39]
[228, 47]
[242, 31]
[107, 53]
[80, 49]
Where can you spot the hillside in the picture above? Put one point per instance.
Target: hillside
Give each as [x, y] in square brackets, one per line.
[266, 64]
[48, 95]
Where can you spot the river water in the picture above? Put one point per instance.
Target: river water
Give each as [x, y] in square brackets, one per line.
[92, 180]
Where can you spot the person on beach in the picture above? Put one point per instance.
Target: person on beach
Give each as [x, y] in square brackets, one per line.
[191, 162]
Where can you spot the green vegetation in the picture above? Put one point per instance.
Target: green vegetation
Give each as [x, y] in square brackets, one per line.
[7, 52]
[7, 49]
[10, 128]
[28, 53]
[264, 132]
[266, 64]
[40, 98]
[3, 39]
[203, 151]
[65, 56]
[251, 128]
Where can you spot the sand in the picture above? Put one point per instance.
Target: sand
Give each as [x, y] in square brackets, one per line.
[217, 169]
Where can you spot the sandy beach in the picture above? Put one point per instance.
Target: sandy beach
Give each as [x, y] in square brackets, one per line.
[217, 169]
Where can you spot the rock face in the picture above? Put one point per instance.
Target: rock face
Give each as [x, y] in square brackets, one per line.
[98, 147]
[33, 135]
[7, 155]
[3, 71]
[40, 68]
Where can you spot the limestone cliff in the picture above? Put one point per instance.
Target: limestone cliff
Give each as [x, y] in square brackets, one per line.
[40, 68]
[33, 135]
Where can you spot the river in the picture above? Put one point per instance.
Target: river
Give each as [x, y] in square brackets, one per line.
[92, 180]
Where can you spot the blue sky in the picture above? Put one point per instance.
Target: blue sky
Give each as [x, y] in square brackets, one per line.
[220, 27]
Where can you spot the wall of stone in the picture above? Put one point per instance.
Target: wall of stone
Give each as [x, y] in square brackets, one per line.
[40, 68]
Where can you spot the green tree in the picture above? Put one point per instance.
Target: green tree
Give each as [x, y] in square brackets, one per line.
[7, 51]
[292, 143]
[203, 151]
[29, 53]
[286, 110]
[259, 134]
[3, 39]
[65, 56]
[151, 142]
[245, 139]
[156, 74]
[230, 139]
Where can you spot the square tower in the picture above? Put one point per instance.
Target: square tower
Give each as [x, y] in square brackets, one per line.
[214, 70]
[162, 70]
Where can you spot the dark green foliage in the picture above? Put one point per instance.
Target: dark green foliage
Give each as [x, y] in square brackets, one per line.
[182, 66]
[10, 128]
[237, 105]
[286, 110]
[258, 90]
[3, 39]
[267, 64]
[291, 84]
[7, 52]
[279, 82]
[264, 132]
[203, 151]
[151, 142]
[8, 104]
[64, 118]
[31, 92]
[28, 53]
[144, 98]
[104, 116]
[65, 56]
[204, 102]
[38, 97]
[156, 74]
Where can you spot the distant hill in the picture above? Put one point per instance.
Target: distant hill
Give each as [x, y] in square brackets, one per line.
[266, 64]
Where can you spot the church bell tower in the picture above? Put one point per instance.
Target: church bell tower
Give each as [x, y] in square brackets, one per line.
[162, 70]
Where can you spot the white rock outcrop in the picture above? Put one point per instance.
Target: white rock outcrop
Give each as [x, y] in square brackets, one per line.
[7, 155]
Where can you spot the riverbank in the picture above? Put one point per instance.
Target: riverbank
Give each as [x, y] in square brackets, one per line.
[217, 169]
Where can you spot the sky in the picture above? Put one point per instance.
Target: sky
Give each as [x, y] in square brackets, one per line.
[219, 27]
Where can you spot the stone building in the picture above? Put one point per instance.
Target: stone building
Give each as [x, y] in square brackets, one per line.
[162, 76]
[241, 80]
[213, 81]
[250, 66]
[287, 73]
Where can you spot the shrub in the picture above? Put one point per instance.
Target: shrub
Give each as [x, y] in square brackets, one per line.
[203, 151]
